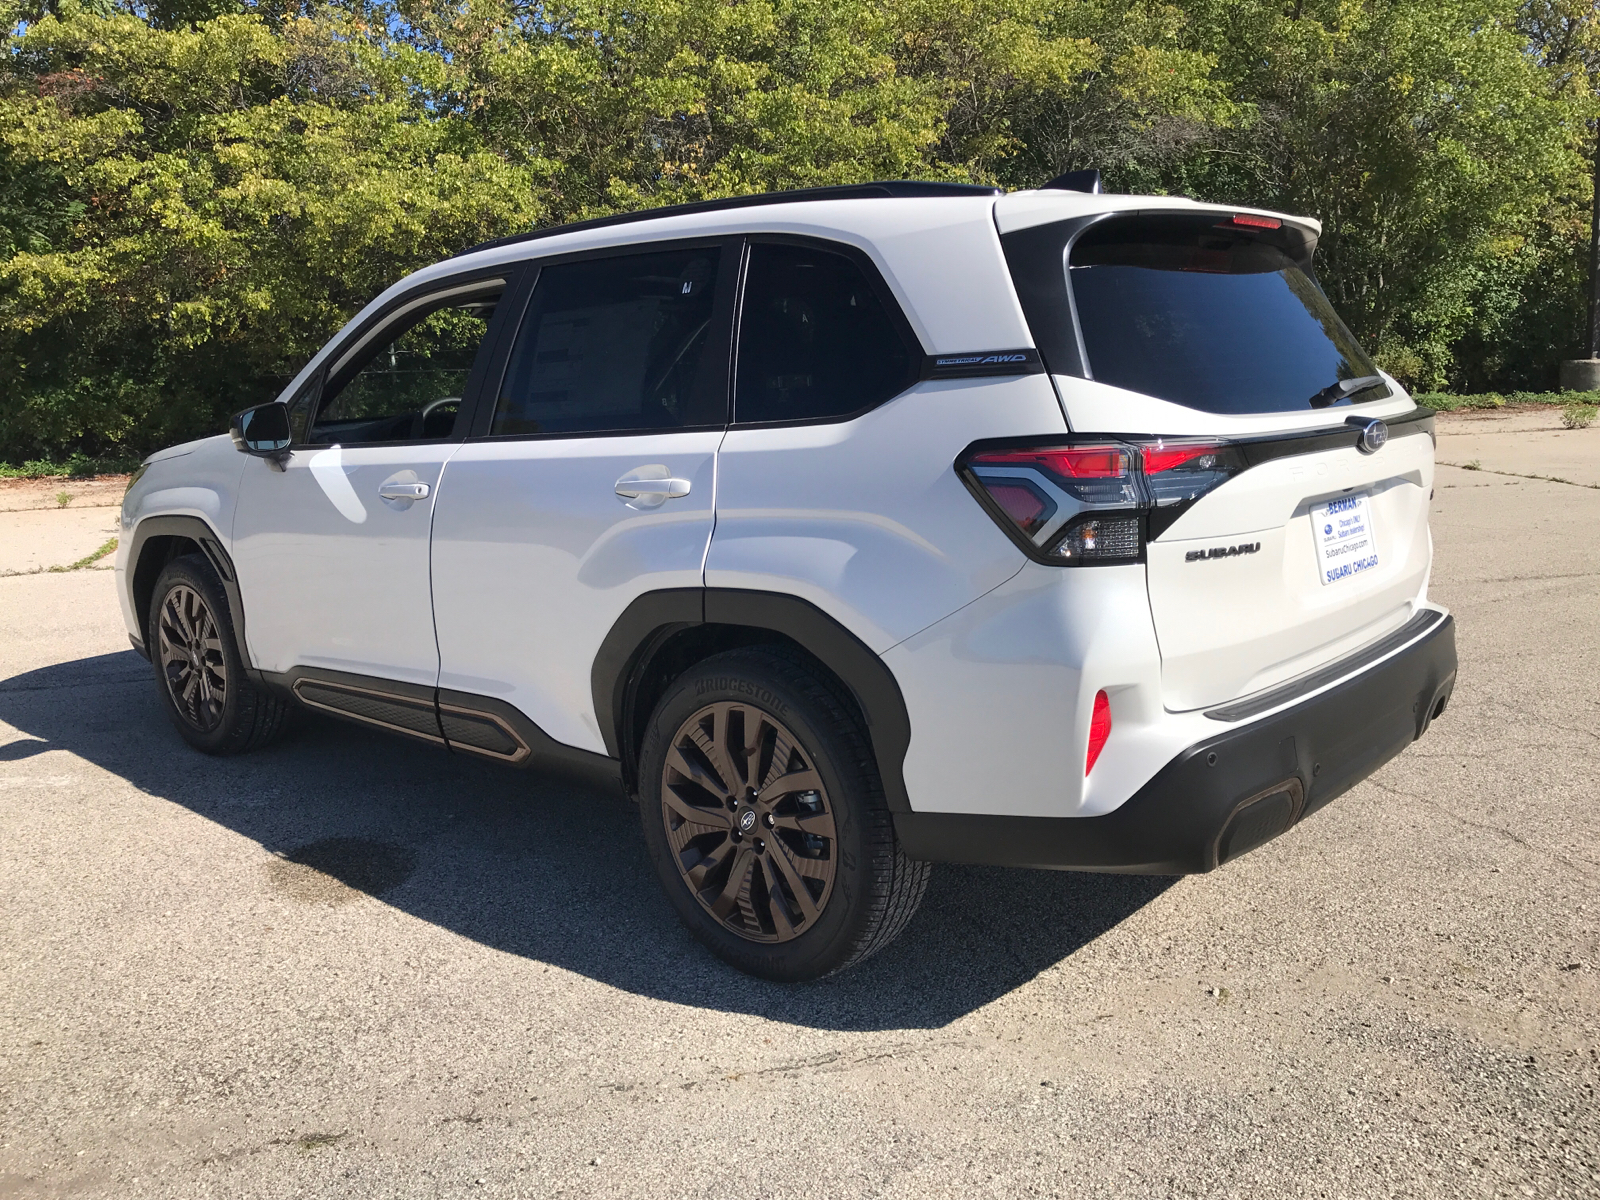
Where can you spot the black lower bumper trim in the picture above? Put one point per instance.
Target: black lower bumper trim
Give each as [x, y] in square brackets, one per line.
[1225, 795]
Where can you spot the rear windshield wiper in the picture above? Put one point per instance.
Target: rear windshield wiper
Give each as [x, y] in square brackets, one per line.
[1336, 392]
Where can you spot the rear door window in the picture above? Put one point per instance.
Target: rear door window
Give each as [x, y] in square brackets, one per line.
[618, 343]
[1214, 315]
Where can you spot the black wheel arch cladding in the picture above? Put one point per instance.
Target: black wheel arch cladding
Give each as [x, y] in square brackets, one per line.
[703, 620]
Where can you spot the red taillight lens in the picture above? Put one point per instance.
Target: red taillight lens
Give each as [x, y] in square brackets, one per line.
[1255, 222]
[1022, 504]
[1095, 462]
[1160, 457]
[1099, 729]
[1178, 473]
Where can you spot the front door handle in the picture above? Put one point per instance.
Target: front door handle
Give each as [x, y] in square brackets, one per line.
[650, 487]
[403, 491]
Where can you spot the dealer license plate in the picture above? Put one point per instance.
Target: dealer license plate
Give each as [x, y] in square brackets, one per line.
[1345, 543]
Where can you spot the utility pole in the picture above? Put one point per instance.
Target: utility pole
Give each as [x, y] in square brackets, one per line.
[1583, 374]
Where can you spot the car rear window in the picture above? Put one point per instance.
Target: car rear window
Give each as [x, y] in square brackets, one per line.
[1214, 316]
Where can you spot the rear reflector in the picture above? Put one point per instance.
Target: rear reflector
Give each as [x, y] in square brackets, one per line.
[1099, 729]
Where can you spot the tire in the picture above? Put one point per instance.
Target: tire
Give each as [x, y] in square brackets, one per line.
[804, 811]
[208, 697]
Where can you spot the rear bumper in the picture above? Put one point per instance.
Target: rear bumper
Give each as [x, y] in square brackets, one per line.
[1224, 795]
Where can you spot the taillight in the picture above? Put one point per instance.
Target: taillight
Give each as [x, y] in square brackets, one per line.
[1099, 729]
[1180, 472]
[1064, 504]
[1093, 502]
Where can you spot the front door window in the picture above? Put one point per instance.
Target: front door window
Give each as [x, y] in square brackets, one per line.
[404, 382]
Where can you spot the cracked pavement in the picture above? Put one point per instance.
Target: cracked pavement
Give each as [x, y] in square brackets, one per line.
[1401, 997]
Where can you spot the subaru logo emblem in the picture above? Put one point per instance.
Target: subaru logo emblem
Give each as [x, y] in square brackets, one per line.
[747, 820]
[1373, 435]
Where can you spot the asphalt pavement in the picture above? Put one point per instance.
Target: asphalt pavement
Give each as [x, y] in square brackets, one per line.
[353, 966]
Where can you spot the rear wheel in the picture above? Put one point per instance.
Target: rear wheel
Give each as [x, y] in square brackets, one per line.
[765, 817]
[199, 671]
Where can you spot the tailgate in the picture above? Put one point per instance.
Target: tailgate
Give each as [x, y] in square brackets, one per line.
[1289, 565]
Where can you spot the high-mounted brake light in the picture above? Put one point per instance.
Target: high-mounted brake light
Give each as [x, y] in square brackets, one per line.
[1255, 222]
[1099, 730]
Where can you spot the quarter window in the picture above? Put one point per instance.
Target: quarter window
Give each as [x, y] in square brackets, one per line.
[815, 340]
[617, 343]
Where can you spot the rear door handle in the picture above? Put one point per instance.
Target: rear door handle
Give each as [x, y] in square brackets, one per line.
[403, 491]
[650, 487]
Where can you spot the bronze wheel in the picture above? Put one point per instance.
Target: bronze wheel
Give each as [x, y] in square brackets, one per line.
[764, 817]
[189, 649]
[748, 821]
[195, 652]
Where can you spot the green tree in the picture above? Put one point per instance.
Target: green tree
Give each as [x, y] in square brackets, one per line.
[194, 195]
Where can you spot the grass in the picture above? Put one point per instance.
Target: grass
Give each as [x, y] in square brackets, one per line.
[90, 559]
[78, 466]
[1450, 402]
[1579, 416]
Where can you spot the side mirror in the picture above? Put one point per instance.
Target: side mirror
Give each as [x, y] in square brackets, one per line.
[263, 430]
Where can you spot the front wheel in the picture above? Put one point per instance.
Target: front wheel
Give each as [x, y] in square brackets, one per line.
[765, 818]
[212, 703]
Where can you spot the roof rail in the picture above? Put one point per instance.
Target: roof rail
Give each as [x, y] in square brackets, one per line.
[888, 189]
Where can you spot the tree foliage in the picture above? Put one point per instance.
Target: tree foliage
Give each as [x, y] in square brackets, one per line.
[195, 193]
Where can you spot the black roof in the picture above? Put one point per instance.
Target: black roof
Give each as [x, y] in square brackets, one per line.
[894, 188]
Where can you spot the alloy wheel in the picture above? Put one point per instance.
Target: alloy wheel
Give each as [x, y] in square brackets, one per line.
[189, 642]
[749, 822]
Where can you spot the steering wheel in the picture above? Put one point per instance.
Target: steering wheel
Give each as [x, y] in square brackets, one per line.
[419, 423]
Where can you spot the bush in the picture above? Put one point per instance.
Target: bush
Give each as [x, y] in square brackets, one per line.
[1579, 416]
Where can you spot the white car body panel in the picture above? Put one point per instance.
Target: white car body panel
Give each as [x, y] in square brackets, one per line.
[197, 479]
[1023, 210]
[535, 556]
[865, 518]
[1233, 626]
[1000, 696]
[332, 575]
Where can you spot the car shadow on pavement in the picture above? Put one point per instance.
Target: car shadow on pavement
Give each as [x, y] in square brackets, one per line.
[549, 868]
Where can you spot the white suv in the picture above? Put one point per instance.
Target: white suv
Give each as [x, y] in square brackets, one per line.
[850, 529]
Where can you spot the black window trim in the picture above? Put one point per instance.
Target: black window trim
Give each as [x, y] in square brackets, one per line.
[916, 353]
[351, 340]
[728, 275]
